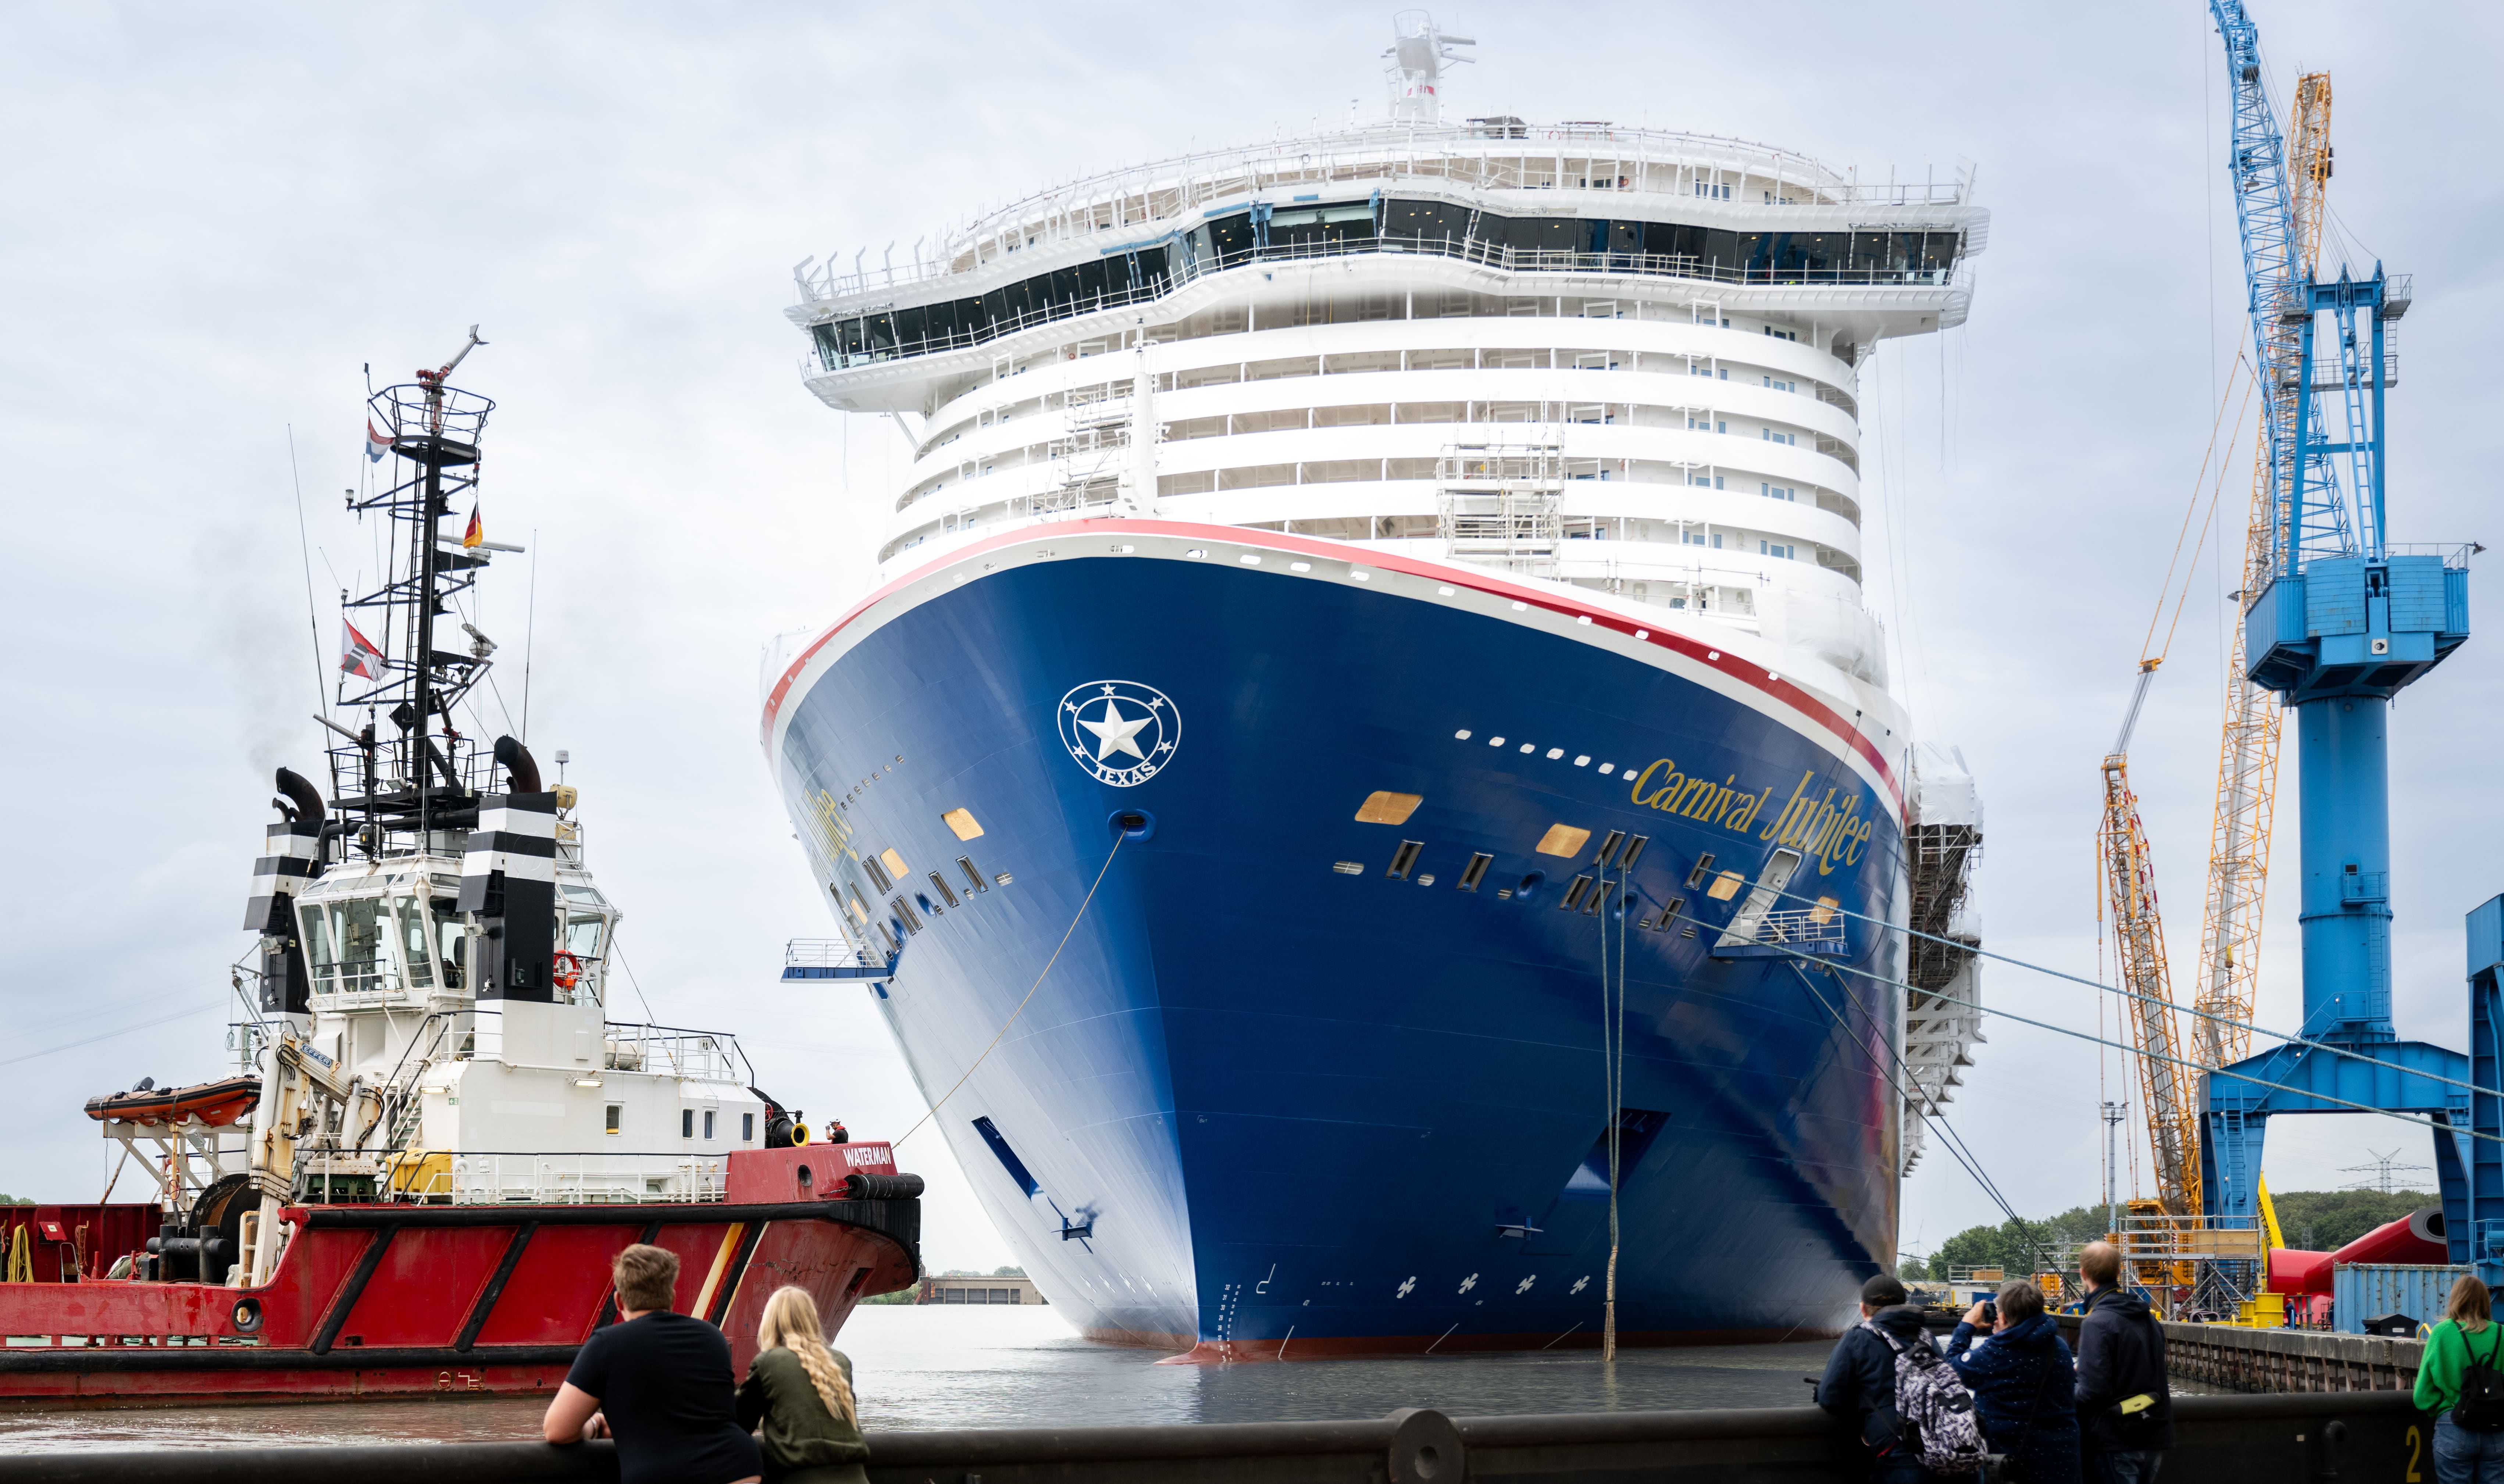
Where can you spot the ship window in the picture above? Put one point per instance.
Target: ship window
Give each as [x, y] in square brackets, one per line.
[412, 939]
[1668, 918]
[893, 947]
[1404, 859]
[904, 910]
[747, 1129]
[878, 874]
[1476, 871]
[616, 1118]
[452, 949]
[1382, 807]
[583, 931]
[686, 1122]
[359, 925]
[1609, 848]
[708, 1123]
[973, 877]
[945, 894]
[1563, 840]
[961, 823]
[1574, 891]
[318, 955]
[860, 913]
[1598, 899]
[1703, 863]
[1634, 853]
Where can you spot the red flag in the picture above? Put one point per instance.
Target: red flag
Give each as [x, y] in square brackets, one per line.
[357, 655]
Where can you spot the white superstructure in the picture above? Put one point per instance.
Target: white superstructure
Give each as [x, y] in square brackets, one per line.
[1620, 358]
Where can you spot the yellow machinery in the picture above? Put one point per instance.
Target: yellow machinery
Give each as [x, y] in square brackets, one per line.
[2238, 855]
[2239, 834]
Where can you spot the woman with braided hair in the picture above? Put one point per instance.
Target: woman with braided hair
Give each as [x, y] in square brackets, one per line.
[801, 1393]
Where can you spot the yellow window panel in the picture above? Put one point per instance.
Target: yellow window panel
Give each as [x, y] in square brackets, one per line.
[894, 864]
[963, 822]
[1383, 807]
[1563, 840]
[1725, 887]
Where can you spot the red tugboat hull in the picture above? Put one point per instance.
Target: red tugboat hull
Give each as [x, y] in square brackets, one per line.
[404, 1300]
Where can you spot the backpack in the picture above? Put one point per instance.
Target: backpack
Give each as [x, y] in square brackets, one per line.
[2479, 1407]
[1932, 1401]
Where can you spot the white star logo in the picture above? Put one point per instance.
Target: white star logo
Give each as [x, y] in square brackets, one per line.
[1406, 1285]
[1469, 1282]
[1132, 740]
[1113, 734]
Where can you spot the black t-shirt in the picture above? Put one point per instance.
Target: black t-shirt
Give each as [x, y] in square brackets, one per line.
[665, 1384]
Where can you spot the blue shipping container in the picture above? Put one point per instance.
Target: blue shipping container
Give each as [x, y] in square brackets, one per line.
[2363, 1291]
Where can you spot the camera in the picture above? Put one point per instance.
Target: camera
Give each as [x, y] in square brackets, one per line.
[1990, 1312]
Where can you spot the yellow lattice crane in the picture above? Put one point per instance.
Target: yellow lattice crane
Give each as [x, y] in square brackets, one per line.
[2239, 832]
[2166, 1087]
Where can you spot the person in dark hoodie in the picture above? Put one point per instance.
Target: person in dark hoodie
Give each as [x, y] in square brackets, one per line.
[2125, 1412]
[1859, 1385]
[2023, 1385]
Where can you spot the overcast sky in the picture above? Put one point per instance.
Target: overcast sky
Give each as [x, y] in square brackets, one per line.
[218, 218]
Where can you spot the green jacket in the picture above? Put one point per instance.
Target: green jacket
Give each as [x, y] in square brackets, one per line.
[2446, 1357]
[803, 1442]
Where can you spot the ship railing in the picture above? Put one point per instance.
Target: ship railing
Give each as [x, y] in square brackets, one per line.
[878, 342]
[703, 1054]
[490, 1178]
[1384, 156]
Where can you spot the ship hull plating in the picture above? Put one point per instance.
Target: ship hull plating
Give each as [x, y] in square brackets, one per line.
[1240, 1088]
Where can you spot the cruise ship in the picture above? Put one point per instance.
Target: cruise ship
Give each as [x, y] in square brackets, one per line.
[1365, 789]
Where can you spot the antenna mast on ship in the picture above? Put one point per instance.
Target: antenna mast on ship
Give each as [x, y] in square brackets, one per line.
[426, 779]
[1419, 51]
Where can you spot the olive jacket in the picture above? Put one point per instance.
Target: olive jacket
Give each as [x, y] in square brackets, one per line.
[803, 1442]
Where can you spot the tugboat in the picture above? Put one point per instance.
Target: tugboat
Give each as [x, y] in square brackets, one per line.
[437, 1136]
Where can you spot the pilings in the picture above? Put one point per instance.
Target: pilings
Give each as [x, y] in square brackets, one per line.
[2290, 1360]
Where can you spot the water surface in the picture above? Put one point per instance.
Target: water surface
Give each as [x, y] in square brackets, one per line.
[1007, 1366]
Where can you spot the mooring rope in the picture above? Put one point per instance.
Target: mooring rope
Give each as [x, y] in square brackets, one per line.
[1117, 836]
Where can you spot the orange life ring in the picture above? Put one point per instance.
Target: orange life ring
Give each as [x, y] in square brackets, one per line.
[569, 970]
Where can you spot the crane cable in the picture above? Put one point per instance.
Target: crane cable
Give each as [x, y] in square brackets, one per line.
[2241, 374]
[2275, 1035]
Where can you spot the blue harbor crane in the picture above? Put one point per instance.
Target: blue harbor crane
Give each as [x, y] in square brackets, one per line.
[2341, 621]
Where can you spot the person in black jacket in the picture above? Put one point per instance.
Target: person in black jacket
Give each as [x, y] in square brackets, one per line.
[2018, 1369]
[1859, 1385]
[2121, 1361]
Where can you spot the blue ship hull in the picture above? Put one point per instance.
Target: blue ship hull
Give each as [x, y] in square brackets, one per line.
[1236, 1087]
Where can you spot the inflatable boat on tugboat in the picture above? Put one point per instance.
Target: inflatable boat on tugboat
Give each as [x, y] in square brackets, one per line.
[436, 1138]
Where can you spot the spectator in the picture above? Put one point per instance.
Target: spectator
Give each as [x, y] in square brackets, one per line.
[2467, 1336]
[2121, 1361]
[802, 1392]
[660, 1383]
[2023, 1385]
[1859, 1385]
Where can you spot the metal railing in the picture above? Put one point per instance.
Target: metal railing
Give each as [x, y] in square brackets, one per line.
[556, 1180]
[698, 1054]
[1471, 250]
[1432, 157]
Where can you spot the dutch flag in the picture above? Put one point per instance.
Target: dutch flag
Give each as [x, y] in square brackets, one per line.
[376, 444]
